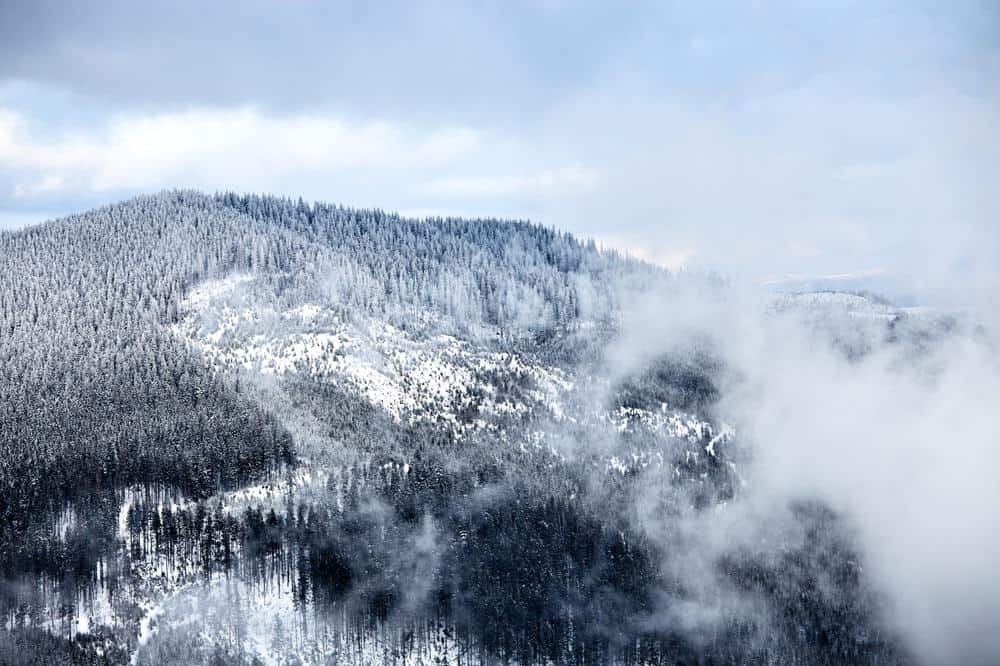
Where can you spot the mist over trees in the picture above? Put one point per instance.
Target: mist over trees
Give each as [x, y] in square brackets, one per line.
[502, 523]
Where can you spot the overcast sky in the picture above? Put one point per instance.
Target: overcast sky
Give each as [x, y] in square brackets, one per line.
[766, 140]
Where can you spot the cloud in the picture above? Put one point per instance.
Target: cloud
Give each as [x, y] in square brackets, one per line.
[673, 257]
[860, 137]
[835, 277]
[213, 148]
[907, 452]
[552, 181]
[901, 442]
[394, 57]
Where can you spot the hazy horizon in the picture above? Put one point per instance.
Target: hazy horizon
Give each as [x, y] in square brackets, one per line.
[771, 144]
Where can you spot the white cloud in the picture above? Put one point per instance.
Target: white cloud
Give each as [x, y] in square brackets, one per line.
[551, 181]
[647, 248]
[214, 148]
[834, 277]
[45, 184]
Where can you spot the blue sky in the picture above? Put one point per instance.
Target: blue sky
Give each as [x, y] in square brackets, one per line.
[772, 141]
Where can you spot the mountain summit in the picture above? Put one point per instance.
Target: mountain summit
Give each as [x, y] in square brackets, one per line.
[246, 428]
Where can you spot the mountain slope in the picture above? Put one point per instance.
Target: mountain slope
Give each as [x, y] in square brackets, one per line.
[94, 389]
[403, 440]
[85, 305]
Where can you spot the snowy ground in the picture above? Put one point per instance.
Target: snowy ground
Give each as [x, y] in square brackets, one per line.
[439, 378]
[411, 379]
[452, 383]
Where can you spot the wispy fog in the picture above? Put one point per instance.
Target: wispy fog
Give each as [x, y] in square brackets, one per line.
[899, 440]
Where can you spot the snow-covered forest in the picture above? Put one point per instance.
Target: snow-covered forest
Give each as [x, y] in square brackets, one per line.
[522, 333]
[96, 390]
[247, 429]
[101, 395]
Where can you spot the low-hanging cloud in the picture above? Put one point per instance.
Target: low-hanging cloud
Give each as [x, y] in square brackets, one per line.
[901, 442]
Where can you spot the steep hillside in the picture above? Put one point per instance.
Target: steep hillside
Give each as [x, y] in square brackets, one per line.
[245, 429]
[96, 390]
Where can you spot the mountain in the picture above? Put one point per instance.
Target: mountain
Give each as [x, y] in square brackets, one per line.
[247, 429]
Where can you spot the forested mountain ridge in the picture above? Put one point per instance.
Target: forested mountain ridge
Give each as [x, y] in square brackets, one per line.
[84, 302]
[95, 389]
[245, 428]
[499, 273]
